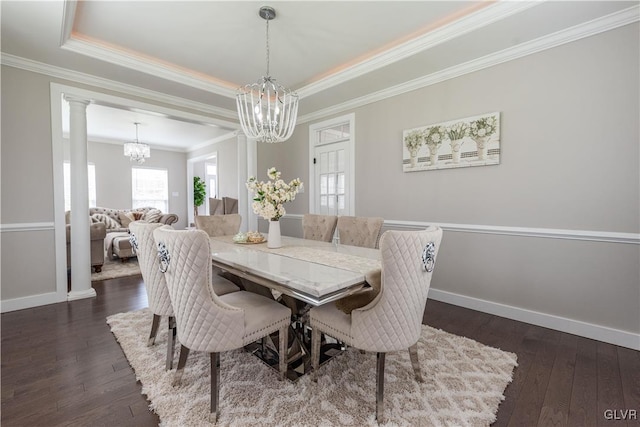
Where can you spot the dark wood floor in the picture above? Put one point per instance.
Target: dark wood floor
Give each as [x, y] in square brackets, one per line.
[62, 366]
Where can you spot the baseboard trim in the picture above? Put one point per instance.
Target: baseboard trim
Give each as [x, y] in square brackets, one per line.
[87, 293]
[563, 324]
[30, 301]
[26, 226]
[547, 233]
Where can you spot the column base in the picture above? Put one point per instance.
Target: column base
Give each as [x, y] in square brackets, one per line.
[74, 295]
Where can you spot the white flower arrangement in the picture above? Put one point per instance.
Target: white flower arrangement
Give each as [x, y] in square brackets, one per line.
[485, 126]
[272, 195]
[414, 140]
[457, 131]
[434, 136]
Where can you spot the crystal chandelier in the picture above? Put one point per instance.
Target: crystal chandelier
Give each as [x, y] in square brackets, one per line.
[267, 110]
[137, 151]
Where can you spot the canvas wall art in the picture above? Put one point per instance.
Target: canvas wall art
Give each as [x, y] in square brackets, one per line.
[472, 141]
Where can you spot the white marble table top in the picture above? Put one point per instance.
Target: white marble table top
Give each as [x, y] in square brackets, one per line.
[312, 271]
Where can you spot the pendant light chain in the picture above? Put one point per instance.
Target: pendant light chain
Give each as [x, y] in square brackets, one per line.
[268, 75]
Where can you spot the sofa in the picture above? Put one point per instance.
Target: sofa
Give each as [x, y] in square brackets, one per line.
[116, 242]
[110, 231]
[97, 232]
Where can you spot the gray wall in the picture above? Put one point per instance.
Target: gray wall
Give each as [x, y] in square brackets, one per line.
[570, 160]
[113, 176]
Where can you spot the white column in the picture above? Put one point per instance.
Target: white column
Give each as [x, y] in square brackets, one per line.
[80, 233]
[246, 168]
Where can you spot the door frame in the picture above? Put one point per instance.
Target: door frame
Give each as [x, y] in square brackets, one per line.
[351, 143]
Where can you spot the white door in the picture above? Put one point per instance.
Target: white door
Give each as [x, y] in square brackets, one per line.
[331, 150]
[331, 179]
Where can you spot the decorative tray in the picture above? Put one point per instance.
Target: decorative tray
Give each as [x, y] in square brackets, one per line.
[251, 243]
[249, 238]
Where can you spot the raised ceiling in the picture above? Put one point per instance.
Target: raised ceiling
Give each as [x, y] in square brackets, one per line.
[331, 52]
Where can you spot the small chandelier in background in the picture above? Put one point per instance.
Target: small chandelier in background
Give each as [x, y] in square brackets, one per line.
[137, 151]
[267, 110]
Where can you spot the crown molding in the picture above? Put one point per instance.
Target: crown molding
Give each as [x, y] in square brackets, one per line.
[577, 32]
[111, 141]
[132, 61]
[78, 77]
[482, 18]
[68, 16]
[213, 141]
[146, 65]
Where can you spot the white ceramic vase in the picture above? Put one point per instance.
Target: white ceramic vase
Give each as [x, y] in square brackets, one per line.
[413, 158]
[481, 142]
[433, 154]
[274, 239]
[456, 144]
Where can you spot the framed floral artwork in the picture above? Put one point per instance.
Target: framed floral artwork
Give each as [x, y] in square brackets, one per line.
[472, 141]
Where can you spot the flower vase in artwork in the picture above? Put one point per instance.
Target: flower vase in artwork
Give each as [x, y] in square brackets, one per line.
[274, 239]
[414, 158]
[433, 154]
[456, 144]
[481, 142]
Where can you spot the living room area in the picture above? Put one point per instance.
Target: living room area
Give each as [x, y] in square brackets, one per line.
[153, 187]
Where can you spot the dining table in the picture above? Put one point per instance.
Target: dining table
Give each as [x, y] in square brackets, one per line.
[310, 271]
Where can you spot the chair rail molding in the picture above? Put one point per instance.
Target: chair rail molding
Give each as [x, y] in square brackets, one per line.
[549, 233]
[26, 226]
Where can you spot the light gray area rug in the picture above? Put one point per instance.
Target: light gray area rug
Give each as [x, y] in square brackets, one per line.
[114, 268]
[464, 384]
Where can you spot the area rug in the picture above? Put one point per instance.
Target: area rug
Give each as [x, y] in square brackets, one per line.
[464, 384]
[114, 268]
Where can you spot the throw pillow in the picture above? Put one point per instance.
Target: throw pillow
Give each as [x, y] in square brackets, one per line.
[108, 221]
[153, 215]
[126, 218]
[360, 299]
[137, 216]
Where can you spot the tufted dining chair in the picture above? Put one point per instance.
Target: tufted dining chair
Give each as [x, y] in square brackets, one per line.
[208, 322]
[393, 320]
[359, 230]
[230, 205]
[318, 227]
[216, 206]
[222, 225]
[141, 237]
[219, 225]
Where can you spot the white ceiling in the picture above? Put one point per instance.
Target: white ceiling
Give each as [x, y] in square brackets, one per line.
[331, 52]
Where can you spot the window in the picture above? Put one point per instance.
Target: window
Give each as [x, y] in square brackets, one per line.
[211, 171]
[91, 169]
[150, 187]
